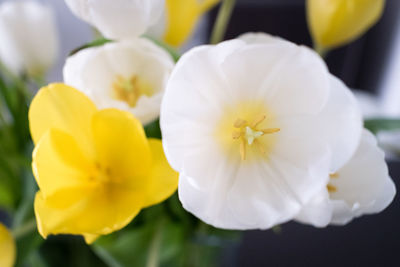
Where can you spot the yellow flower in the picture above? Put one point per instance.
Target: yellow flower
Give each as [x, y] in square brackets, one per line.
[7, 247]
[337, 22]
[182, 16]
[95, 168]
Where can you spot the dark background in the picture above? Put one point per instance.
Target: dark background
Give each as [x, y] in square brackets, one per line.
[369, 240]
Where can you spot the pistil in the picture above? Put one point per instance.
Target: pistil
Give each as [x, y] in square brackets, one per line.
[249, 133]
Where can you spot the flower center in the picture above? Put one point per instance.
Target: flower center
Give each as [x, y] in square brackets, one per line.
[130, 89]
[100, 174]
[249, 133]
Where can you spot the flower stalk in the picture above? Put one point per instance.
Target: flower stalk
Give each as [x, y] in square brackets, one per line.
[153, 258]
[24, 229]
[223, 18]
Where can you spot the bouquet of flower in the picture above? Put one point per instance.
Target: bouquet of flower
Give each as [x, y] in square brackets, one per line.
[144, 156]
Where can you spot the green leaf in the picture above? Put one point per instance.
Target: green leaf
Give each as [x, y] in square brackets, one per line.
[26, 246]
[131, 246]
[68, 251]
[169, 49]
[376, 125]
[95, 43]
[126, 247]
[153, 129]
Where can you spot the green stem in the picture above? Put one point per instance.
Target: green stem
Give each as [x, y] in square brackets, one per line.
[23, 230]
[221, 24]
[153, 258]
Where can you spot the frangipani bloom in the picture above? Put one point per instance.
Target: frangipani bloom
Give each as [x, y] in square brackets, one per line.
[362, 186]
[128, 75]
[29, 37]
[337, 22]
[253, 126]
[7, 247]
[182, 17]
[119, 19]
[95, 168]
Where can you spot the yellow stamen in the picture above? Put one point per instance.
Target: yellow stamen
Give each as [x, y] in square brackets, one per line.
[257, 121]
[334, 175]
[236, 135]
[270, 131]
[243, 149]
[130, 89]
[331, 188]
[127, 90]
[239, 123]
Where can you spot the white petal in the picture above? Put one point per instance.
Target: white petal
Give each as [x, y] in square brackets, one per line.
[119, 19]
[318, 211]
[94, 70]
[341, 123]
[29, 37]
[194, 99]
[192, 199]
[288, 86]
[263, 38]
[363, 185]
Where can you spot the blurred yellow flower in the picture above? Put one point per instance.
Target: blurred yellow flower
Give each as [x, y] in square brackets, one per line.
[337, 22]
[182, 17]
[7, 247]
[95, 168]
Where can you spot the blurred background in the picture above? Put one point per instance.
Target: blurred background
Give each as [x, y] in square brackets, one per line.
[370, 64]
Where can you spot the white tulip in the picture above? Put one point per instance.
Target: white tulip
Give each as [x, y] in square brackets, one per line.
[362, 186]
[119, 19]
[252, 126]
[28, 37]
[128, 75]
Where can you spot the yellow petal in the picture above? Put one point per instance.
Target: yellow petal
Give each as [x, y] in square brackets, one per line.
[98, 212]
[7, 247]
[337, 22]
[122, 147]
[58, 163]
[65, 108]
[163, 179]
[182, 17]
[89, 239]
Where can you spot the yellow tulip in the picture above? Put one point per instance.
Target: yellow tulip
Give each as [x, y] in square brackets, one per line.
[182, 17]
[7, 247]
[337, 22]
[95, 168]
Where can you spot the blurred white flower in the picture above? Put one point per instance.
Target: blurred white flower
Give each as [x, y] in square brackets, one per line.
[29, 38]
[119, 19]
[252, 125]
[362, 186]
[128, 75]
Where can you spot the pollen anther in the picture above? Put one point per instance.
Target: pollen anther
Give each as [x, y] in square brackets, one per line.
[249, 133]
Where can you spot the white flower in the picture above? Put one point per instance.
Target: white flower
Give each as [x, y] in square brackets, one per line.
[119, 19]
[252, 125]
[128, 75]
[362, 186]
[29, 37]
